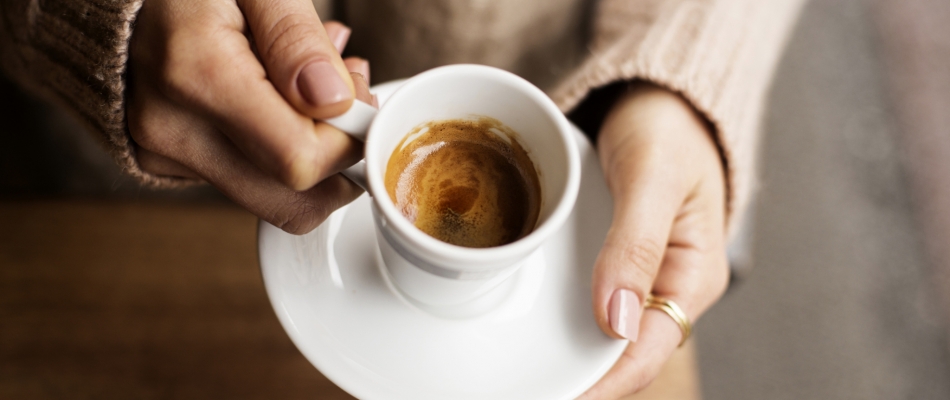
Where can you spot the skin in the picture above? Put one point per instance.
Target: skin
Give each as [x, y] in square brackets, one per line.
[213, 94]
[667, 236]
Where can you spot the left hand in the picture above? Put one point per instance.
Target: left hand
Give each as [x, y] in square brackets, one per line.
[667, 236]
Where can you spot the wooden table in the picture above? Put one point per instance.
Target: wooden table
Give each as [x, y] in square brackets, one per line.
[158, 300]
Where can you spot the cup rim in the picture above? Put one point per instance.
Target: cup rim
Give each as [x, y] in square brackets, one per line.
[439, 250]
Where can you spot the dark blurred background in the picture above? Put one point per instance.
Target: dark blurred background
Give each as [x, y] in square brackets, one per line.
[108, 289]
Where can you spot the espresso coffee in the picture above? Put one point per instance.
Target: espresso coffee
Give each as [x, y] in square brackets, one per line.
[465, 182]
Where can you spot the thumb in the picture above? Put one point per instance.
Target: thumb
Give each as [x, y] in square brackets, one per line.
[301, 60]
[648, 195]
[631, 257]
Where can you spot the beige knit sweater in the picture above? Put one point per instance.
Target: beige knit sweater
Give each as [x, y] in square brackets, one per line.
[720, 54]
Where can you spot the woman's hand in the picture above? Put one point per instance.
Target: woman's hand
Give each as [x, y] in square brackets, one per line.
[227, 91]
[667, 237]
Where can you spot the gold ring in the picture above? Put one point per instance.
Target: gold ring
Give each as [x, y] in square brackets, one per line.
[674, 311]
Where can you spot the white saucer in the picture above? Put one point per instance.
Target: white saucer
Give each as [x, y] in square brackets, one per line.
[338, 307]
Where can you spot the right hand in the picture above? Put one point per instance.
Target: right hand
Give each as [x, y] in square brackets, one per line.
[229, 92]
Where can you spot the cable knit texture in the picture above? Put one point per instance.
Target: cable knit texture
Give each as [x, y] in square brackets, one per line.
[720, 54]
[74, 52]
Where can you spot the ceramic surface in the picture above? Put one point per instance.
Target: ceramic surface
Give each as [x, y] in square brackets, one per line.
[336, 302]
[441, 274]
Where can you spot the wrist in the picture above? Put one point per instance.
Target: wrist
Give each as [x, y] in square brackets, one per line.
[654, 125]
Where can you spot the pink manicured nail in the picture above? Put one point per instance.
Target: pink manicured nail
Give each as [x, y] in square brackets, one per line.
[340, 37]
[625, 313]
[321, 85]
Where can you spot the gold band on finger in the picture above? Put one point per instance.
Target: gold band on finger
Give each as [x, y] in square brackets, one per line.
[674, 311]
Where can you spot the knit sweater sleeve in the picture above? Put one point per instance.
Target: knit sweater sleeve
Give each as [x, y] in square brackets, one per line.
[74, 52]
[719, 54]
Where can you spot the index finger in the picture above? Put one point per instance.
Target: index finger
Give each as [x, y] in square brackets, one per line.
[230, 86]
[693, 278]
[641, 361]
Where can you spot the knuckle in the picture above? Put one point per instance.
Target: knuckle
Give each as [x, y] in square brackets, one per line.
[643, 372]
[297, 167]
[644, 257]
[290, 36]
[146, 130]
[643, 378]
[300, 215]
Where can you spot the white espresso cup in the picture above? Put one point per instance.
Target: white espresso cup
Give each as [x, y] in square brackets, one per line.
[429, 271]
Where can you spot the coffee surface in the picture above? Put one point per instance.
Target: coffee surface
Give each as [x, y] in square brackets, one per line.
[465, 182]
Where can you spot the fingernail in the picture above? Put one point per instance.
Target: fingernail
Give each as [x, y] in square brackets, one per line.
[321, 85]
[376, 101]
[625, 313]
[339, 37]
[359, 66]
[362, 88]
[363, 68]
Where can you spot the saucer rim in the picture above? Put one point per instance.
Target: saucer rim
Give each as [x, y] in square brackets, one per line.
[352, 384]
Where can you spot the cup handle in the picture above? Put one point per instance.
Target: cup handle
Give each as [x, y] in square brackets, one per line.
[355, 122]
[357, 174]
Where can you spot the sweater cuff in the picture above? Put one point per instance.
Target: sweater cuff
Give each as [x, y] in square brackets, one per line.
[719, 55]
[75, 52]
